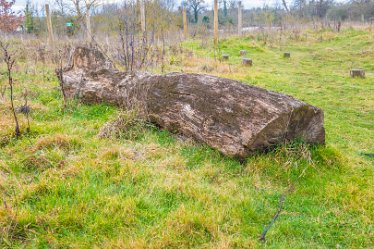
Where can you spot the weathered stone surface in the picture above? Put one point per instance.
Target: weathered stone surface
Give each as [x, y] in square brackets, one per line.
[235, 118]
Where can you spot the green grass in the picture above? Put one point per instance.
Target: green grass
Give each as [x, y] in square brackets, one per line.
[62, 186]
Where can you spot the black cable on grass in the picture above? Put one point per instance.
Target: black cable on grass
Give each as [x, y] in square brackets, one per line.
[280, 208]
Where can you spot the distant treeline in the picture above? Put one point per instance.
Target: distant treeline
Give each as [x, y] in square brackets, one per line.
[166, 15]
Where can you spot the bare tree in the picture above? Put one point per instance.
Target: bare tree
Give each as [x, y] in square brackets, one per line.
[82, 9]
[61, 6]
[285, 6]
[77, 7]
[196, 6]
[134, 49]
[316, 8]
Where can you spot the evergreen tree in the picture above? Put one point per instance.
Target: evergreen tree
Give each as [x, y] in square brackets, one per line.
[29, 18]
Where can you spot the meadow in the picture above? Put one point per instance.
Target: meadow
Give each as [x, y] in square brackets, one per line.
[64, 187]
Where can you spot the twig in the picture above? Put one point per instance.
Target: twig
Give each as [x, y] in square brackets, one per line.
[280, 208]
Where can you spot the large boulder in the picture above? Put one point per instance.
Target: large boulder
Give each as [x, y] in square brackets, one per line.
[235, 118]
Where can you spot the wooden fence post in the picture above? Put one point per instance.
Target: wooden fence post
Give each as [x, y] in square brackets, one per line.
[88, 26]
[185, 22]
[216, 22]
[49, 26]
[240, 19]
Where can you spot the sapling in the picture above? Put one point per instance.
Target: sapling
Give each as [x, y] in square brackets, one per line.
[133, 49]
[9, 61]
[25, 109]
[60, 75]
[2, 92]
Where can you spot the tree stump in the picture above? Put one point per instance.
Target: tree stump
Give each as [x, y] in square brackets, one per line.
[225, 57]
[357, 73]
[243, 52]
[287, 55]
[247, 62]
[235, 118]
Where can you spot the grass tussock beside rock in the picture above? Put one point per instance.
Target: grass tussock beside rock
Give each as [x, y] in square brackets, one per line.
[57, 141]
[127, 125]
[135, 186]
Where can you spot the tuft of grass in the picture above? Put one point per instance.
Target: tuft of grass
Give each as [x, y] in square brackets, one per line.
[60, 141]
[127, 125]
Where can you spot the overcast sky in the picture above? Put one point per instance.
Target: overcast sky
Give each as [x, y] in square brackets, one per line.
[20, 4]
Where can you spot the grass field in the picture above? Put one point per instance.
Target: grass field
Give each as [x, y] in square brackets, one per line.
[63, 187]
